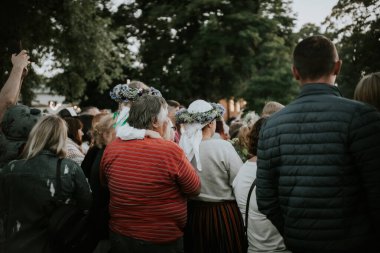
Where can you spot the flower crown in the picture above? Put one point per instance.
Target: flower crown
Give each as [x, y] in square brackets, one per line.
[123, 93]
[185, 117]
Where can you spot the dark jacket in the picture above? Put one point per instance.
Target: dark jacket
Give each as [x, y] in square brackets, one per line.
[27, 188]
[99, 215]
[318, 177]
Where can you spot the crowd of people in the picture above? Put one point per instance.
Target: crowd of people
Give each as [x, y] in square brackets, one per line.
[156, 176]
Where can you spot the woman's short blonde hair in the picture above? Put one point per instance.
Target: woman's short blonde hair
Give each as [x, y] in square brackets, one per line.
[104, 125]
[49, 133]
[368, 90]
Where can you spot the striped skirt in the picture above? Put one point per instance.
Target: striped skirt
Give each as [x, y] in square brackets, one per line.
[214, 227]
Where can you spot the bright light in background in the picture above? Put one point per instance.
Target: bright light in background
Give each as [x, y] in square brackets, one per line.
[312, 11]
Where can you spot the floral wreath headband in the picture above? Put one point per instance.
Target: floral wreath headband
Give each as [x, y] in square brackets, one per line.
[185, 117]
[123, 93]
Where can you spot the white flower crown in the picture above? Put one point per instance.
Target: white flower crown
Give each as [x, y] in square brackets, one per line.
[123, 93]
[183, 116]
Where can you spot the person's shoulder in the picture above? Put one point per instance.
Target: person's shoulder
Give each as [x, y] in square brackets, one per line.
[218, 144]
[71, 164]
[356, 109]
[168, 144]
[214, 141]
[10, 166]
[117, 143]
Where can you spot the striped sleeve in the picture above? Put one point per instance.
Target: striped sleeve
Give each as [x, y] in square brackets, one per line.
[187, 177]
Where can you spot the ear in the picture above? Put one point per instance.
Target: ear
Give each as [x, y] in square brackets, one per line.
[211, 124]
[155, 124]
[295, 73]
[337, 67]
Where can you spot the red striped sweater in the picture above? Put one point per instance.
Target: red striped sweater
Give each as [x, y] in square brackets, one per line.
[148, 180]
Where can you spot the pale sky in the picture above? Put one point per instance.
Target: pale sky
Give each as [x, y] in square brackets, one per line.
[312, 11]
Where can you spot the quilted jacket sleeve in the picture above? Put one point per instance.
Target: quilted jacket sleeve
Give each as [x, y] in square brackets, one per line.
[267, 185]
[365, 147]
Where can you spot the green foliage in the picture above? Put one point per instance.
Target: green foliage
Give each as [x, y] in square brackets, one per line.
[307, 30]
[75, 33]
[189, 49]
[213, 49]
[358, 40]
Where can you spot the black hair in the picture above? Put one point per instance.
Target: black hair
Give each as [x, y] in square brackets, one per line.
[314, 57]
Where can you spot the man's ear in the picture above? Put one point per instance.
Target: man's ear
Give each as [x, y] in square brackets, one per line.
[155, 124]
[295, 73]
[337, 67]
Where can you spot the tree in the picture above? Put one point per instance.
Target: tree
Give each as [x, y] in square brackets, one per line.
[307, 30]
[272, 79]
[74, 34]
[358, 40]
[210, 49]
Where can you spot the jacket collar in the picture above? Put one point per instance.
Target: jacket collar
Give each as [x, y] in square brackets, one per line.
[319, 89]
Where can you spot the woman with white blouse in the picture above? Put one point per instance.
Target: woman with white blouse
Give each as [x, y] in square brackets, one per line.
[262, 235]
[214, 221]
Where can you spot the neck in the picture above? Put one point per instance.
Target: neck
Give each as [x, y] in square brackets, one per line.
[207, 135]
[324, 79]
[253, 159]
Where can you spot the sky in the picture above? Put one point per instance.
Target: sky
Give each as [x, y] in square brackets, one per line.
[312, 11]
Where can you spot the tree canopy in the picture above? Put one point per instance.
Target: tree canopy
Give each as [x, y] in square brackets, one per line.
[73, 34]
[210, 49]
[214, 49]
[358, 40]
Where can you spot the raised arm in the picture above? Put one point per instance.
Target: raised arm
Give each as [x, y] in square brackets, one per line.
[11, 89]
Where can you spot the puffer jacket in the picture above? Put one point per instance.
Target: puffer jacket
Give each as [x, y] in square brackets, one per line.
[318, 177]
[27, 189]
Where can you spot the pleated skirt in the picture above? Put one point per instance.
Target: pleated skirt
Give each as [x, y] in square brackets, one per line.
[214, 227]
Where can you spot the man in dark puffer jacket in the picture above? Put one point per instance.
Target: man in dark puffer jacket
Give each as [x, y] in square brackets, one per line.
[318, 177]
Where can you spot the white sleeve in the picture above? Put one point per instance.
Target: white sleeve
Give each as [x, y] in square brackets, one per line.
[126, 132]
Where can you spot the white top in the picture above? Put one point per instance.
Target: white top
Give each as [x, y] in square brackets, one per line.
[220, 165]
[262, 235]
[125, 131]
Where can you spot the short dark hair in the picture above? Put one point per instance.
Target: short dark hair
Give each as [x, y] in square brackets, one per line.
[86, 120]
[219, 126]
[253, 136]
[314, 57]
[145, 110]
[73, 125]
